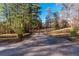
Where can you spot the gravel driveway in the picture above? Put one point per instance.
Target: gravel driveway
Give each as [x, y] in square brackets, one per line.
[40, 44]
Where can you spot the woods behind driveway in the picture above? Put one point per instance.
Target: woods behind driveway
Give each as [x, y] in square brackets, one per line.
[40, 44]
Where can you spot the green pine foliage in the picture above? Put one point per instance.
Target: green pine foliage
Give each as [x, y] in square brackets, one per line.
[20, 17]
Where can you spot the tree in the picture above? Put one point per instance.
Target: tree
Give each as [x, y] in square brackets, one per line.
[35, 16]
[49, 18]
[56, 16]
[25, 14]
[69, 12]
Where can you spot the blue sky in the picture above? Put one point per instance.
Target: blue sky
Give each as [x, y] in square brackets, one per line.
[53, 7]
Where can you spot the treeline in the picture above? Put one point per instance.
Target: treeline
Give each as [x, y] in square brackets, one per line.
[68, 16]
[20, 18]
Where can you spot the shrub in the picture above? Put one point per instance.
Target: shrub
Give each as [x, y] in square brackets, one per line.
[20, 32]
[73, 31]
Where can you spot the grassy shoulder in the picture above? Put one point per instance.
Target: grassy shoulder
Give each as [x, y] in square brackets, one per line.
[65, 33]
[11, 38]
